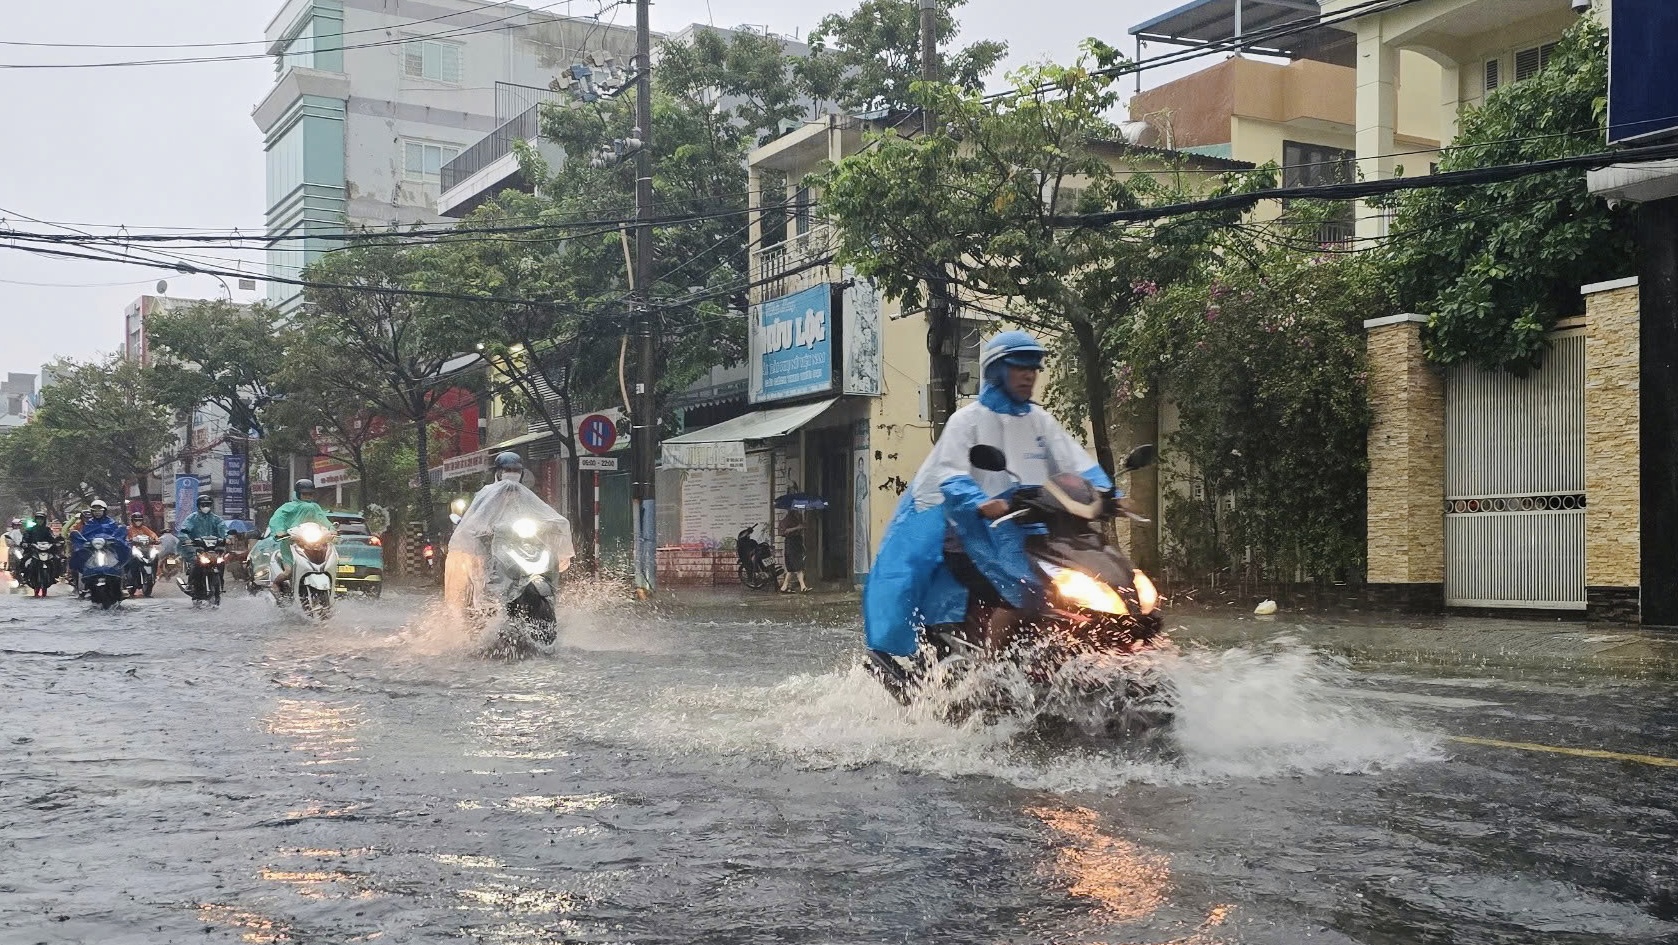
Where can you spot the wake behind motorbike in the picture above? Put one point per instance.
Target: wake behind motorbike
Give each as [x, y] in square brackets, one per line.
[144, 558]
[755, 560]
[311, 575]
[40, 567]
[1086, 650]
[103, 573]
[205, 570]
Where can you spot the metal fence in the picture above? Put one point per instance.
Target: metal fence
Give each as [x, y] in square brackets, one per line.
[499, 143]
[1515, 483]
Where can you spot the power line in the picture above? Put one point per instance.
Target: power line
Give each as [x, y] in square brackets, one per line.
[256, 42]
[485, 27]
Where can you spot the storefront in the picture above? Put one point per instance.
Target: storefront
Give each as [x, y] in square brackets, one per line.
[814, 382]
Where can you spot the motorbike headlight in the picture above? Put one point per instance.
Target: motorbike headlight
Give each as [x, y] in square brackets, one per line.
[537, 565]
[1147, 596]
[203, 559]
[1081, 590]
[311, 533]
[525, 528]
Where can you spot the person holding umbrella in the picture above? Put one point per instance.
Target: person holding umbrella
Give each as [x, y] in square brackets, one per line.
[792, 527]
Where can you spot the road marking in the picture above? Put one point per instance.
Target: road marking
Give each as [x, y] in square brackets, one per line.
[1576, 752]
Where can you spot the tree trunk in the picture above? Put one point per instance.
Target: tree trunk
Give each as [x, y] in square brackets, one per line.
[1097, 391]
[422, 453]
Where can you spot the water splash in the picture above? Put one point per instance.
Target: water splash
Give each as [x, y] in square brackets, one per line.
[1268, 711]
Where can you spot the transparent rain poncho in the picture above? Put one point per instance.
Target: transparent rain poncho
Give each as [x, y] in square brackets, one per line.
[500, 512]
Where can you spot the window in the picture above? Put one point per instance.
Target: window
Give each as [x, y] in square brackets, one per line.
[1530, 62]
[1314, 165]
[423, 162]
[430, 59]
[1493, 74]
[802, 212]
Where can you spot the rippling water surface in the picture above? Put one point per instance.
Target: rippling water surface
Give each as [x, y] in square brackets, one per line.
[716, 775]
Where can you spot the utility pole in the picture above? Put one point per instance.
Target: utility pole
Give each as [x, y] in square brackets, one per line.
[940, 320]
[644, 422]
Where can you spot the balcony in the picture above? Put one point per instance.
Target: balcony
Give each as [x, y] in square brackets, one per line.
[775, 266]
[490, 166]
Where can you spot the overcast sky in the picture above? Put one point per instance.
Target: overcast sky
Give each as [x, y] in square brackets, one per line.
[174, 146]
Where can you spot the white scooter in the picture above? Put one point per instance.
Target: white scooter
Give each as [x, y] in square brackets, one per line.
[314, 566]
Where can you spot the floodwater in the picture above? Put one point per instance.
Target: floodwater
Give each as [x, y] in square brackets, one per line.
[724, 775]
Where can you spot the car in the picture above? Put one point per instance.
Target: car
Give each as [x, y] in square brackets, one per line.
[361, 557]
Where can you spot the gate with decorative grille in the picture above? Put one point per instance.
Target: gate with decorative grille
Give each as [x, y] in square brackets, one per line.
[1515, 483]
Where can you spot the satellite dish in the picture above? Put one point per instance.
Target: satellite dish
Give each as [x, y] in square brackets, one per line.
[162, 287]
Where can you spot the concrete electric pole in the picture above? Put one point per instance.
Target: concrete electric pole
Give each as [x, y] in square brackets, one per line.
[644, 422]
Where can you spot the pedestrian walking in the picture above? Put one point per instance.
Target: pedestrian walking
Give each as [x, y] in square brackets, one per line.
[792, 530]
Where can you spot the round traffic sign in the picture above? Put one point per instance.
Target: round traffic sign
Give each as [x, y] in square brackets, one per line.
[597, 433]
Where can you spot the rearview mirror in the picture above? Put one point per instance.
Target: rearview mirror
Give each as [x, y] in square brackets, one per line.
[988, 458]
[1140, 458]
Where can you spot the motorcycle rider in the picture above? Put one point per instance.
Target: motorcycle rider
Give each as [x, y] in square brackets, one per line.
[136, 527]
[469, 548]
[71, 529]
[301, 509]
[938, 549]
[204, 523]
[39, 531]
[14, 551]
[98, 525]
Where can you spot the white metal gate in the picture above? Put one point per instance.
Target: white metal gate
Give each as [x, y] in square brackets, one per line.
[1515, 483]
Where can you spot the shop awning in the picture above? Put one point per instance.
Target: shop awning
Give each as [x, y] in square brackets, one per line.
[723, 445]
[1209, 22]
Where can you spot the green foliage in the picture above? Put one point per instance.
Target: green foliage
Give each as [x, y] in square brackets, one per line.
[870, 57]
[1264, 360]
[101, 424]
[1495, 266]
[972, 212]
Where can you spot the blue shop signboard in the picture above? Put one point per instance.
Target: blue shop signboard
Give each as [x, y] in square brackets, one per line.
[792, 346]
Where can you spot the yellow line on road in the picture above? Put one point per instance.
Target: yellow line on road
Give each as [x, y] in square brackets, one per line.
[1576, 752]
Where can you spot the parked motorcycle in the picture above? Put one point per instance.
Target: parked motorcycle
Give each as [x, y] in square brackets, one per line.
[314, 565]
[142, 571]
[1085, 651]
[41, 566]
[205, 571]
[756, 560]
[103, 574]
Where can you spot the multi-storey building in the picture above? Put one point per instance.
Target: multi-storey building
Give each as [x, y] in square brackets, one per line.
[371, 98]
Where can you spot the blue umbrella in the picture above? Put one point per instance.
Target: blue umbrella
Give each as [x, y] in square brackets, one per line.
[801, 502]
[239, 525]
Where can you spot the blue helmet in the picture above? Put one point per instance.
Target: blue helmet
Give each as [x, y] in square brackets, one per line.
[509, 462]
[1009, 349]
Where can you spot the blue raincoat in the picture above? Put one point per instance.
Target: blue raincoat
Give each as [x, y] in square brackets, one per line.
[909, 586]
[108, 528]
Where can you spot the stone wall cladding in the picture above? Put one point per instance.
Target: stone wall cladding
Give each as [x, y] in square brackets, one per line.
[1406, 459]
[1612, 430]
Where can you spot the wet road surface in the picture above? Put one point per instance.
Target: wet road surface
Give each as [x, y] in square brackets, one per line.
[727, 775]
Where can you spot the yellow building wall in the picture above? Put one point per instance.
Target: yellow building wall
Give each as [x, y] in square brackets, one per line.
[898, 435]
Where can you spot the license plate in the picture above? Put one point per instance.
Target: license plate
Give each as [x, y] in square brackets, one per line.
[346, 569]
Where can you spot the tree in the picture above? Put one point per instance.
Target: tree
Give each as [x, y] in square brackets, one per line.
[227, 356]
[100, 426]
[1263, 356]
[395, 344]
[1495, 265]
[871, 57]
[971, 215]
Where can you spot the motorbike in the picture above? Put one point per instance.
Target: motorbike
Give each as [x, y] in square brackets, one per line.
[103, 573]
[757, 567]
[205, 571]
[1087, 650]
[142, 571]
[41, 567]
[523, 568]
[314, 566]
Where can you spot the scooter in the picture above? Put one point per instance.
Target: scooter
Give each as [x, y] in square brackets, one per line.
[205, 571]
[102, 575]
[1096, 607]
[314, 565]
[526, 576]
[41, 567]
[142, 572]
[756, 560]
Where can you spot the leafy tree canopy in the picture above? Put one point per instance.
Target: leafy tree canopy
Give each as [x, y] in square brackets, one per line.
[870, 57]
[1494, 266]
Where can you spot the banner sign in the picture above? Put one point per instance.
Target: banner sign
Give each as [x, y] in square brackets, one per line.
[864, 343]
[186, 496]
[235, 491]
[792, 346]
[465, 464]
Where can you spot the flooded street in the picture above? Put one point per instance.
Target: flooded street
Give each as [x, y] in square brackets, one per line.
[724, 774]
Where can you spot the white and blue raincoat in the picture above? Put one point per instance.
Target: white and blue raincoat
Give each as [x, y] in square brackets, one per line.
[909, 586]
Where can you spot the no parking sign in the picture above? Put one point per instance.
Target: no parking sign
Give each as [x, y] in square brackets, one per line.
[597, 433]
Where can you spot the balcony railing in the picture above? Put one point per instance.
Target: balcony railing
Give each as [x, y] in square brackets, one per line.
[778, 260]
[524, 127]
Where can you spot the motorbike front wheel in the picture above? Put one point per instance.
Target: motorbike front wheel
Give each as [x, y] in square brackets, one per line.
[316, 604]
